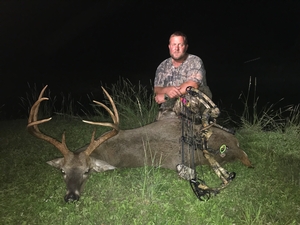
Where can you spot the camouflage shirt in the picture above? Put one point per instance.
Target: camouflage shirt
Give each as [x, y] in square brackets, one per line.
[192, 69]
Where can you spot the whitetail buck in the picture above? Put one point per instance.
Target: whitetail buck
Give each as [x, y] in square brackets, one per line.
[156, 144]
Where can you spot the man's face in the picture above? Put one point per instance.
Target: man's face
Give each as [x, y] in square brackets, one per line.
[177, 47]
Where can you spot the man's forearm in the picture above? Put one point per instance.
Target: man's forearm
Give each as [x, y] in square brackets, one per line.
[184, 85]
[173, 91]
[159, 90]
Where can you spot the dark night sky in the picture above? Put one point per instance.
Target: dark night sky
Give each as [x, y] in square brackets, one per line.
[76, 45]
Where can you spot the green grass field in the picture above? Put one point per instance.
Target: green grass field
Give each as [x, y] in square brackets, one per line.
[32, 192]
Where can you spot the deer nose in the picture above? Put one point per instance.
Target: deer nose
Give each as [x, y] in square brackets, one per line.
[70, 197]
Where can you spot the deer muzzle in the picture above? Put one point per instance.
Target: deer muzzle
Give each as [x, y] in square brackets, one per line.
[72, 196]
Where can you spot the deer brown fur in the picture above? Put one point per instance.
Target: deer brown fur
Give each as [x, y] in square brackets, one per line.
[156, 144]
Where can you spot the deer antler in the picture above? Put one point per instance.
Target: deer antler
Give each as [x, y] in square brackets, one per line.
[33, 123]
[115, 125]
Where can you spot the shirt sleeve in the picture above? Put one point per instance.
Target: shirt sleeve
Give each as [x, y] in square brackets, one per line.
[196, 71]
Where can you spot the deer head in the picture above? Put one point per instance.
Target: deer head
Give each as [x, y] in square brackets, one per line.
[75, 166]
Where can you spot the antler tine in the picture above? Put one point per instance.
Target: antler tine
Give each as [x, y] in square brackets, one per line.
[114, 115]
[115, 125]
[33, 123]
[35, 108]
[97, 142]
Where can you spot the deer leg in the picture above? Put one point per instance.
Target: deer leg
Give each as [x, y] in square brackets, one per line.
[223, 174]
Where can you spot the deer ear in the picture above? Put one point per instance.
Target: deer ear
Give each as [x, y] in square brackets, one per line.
[57, 163]
[100, 165]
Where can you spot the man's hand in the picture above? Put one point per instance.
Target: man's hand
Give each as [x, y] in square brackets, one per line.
[170, 91]
[160, 98]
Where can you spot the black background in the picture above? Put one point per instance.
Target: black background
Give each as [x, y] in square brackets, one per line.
[74, 46]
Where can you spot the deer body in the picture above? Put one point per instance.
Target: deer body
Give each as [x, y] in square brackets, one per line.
[156, 144]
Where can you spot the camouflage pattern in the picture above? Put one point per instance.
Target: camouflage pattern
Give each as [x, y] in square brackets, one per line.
[192, 69]
[196, 135]
[185, 172]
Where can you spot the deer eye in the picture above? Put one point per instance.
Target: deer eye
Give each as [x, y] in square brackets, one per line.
[87, 172]
[63, 172]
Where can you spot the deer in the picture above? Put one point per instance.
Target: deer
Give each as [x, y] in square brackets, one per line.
[156, 144]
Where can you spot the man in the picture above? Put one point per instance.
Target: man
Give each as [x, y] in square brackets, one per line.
[178, 72]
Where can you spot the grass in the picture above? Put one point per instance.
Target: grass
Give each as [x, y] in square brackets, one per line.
[32, 192]
[136, 106]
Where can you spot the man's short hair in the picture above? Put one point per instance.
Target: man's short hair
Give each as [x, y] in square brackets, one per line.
[179, 33]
